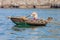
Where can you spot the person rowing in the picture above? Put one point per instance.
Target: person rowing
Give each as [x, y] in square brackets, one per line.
[34, 15]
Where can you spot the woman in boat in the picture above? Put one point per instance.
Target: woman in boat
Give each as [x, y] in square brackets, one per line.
[34, 15]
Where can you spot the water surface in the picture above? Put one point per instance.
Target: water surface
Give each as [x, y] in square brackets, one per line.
[49, 32]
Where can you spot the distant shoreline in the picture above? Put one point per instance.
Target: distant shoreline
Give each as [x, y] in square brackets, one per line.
[29, 4]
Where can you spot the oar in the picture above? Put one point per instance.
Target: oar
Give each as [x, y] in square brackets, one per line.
[27, 16]
[54, 22]
[17, 17]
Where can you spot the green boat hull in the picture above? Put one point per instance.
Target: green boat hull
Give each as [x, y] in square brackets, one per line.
[21, 23]
[24, 25]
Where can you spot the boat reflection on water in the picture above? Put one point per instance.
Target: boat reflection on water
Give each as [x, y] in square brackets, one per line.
[22, 27]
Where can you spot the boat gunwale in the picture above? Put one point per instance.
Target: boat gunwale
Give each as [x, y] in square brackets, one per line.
[29, 22]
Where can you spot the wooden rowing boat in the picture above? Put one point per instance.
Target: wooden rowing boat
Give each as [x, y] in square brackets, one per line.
[29, 22]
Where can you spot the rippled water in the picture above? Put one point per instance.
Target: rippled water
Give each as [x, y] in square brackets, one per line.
[49, 32]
